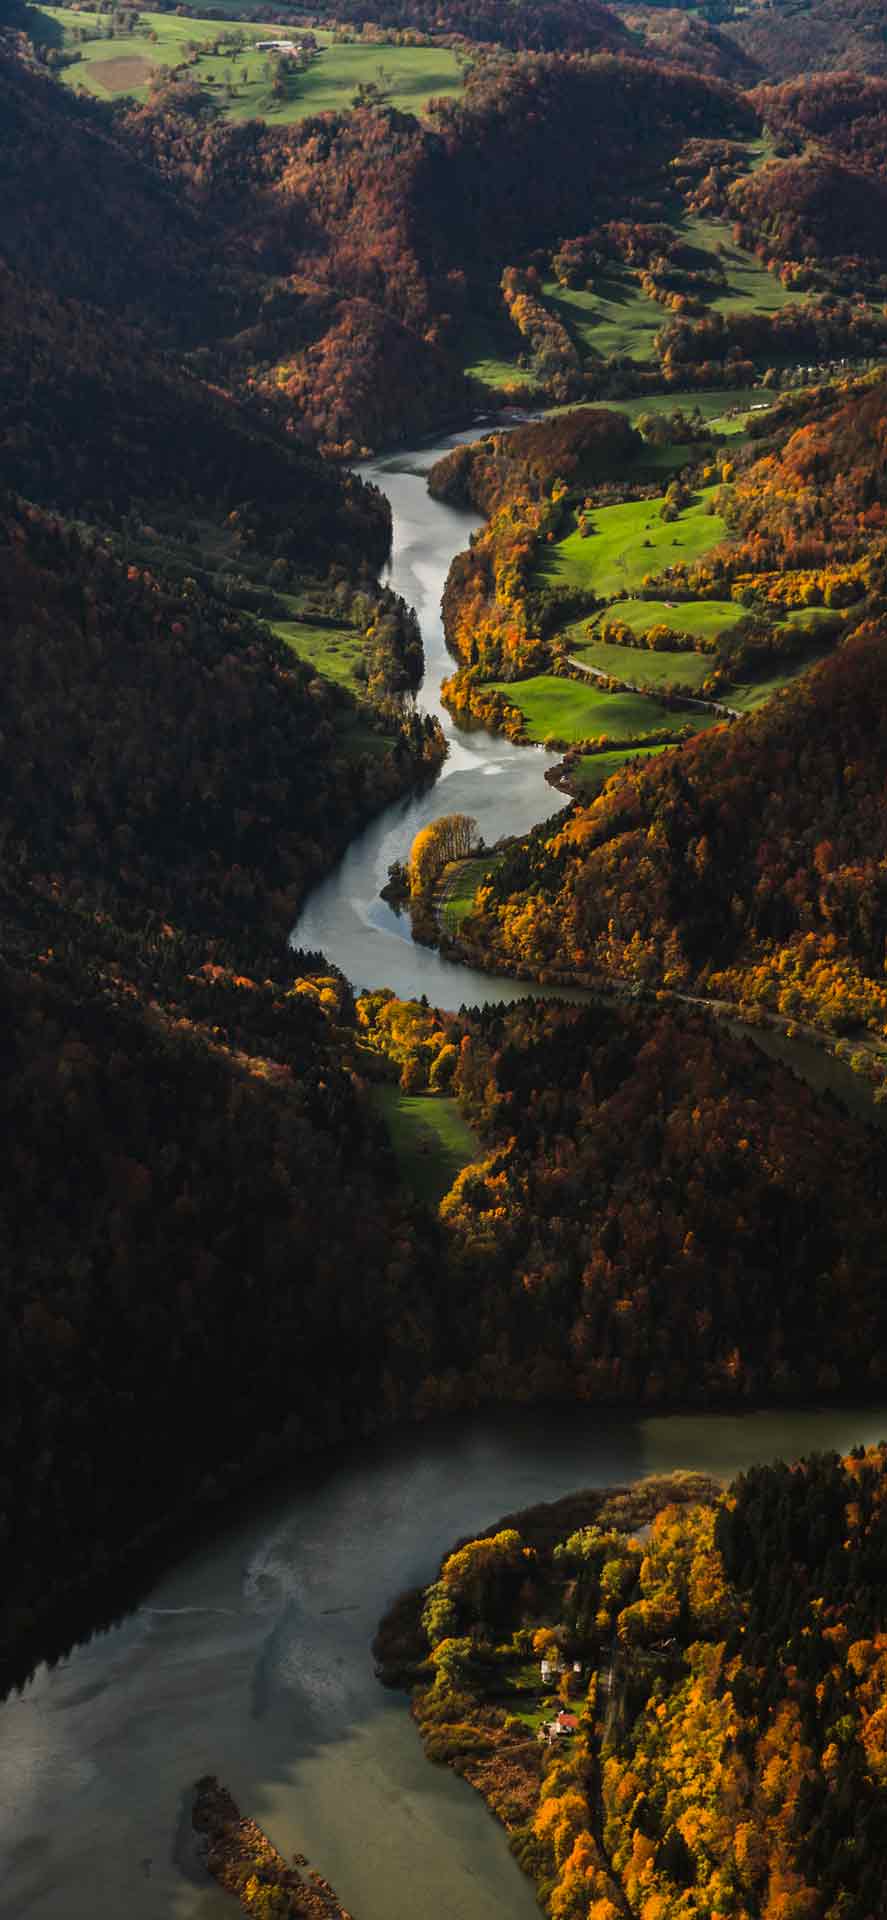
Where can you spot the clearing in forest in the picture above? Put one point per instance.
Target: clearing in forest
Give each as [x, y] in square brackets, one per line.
[458, 889]
[237, 75]
[592, 771]
[430, 1139]
[576, 710]
[336, 652]
[627, 542]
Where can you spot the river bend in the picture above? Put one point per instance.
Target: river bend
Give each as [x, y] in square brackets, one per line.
[502, 786]
[251, 1658]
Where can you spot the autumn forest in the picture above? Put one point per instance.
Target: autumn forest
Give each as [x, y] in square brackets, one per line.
[592, 301]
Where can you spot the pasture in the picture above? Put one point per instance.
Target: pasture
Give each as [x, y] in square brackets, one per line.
[748, 695]
[236, 75]
[335, 651]
[615, 318]
[729, 404]
[576, 710]
[750, 288]
[703, 619]
[640, 666]
[430, 1140]
[630, 541]
[459, 887]
[592, 771]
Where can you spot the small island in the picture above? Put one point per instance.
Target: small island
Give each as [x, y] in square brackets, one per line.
[671, 1696]
[246, 1863]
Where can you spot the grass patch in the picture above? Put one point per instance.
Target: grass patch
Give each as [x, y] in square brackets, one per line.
[750, 288]
[431, 1141]
[750, 694]
[358, 737]
[640, 666]
[704, 619]
[491, 353]
[240, 79]
[713, 406]
[615, 318]
[334, 651]
[812, 619]
[593, 770]
[459, 889]
[630, 541]
[575, 710]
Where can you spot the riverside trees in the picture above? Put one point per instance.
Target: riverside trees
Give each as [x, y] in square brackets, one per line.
[453, 837]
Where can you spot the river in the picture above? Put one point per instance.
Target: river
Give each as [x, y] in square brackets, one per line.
[502, 786]
[251, 1657]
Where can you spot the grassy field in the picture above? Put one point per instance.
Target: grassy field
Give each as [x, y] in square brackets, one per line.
[704, 619]
[334, 651]
[714, 406]
[575, 710]
[641, 666]
[630, 541]
[431, 1141]
[121, 64]
[491, 355]
[616, 318]
[457, 895]
[750, 694]
[593, 770]
[750, 288]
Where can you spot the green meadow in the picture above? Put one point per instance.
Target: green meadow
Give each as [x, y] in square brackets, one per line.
[630, 541]
[641, 666]
[592, 771]
[613, 317]
[240, 77]
[703, 619]
[750, 288]
[459, 889]
[576, 710]
[430, 1139]
[334, 651]
[715, 407]
[750, 694]
[616, 318]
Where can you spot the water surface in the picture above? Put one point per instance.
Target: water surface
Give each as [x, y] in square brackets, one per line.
[251, 1660]
[502, 786]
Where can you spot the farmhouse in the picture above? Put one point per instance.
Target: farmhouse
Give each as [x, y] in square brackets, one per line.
[560, 1728]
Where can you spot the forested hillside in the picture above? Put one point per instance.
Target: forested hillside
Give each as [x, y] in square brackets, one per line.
[690, 1722]
[538, 25]
[811, 36]
[172, 1323]
[162, 752]
[204, 322]
[751, 864]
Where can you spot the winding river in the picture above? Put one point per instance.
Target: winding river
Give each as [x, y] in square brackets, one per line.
[251, 1657]
[501, 785]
